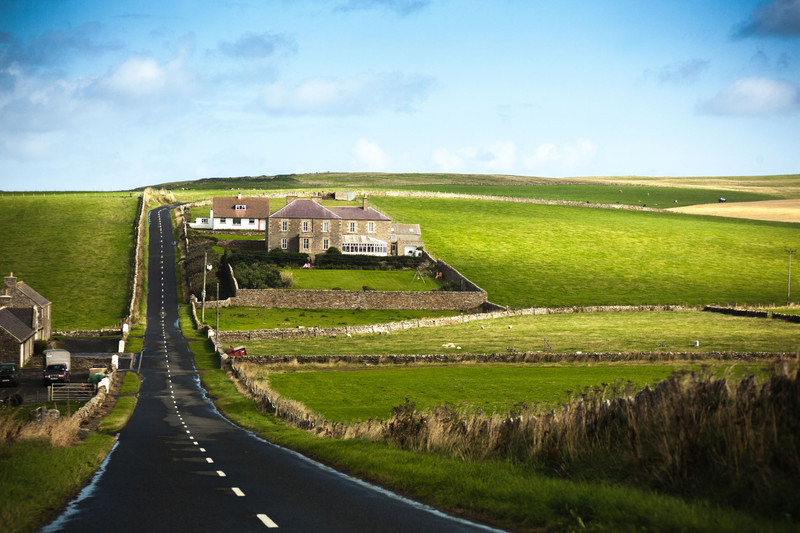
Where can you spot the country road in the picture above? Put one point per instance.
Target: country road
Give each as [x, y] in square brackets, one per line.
[180, 466]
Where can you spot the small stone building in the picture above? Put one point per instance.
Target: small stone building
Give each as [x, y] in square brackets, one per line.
[235, 213]
[406, 239]
[24, 318]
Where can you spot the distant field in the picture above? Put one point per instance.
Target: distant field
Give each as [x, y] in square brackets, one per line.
[527, 255]
[781, 186]
[357, 393]
[356, 280]
[570, 333]
[650, 196]
[75, 250]
[249, 318]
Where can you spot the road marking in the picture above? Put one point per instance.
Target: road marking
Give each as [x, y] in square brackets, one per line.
[209, 460]
[203, 450]
[237, 491]
[266, 521]
[220, 473]
[187, 431]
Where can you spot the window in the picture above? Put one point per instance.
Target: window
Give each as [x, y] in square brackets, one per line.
[325, 245]
[305, 226]
[204, 221]
[284, 244]
[237, 221]
[252, 221]
[223, 221]
[240, 207]
[352, 227]
[284, 225]
[371, 227]
[325, 226]
[306, 243]
[394, 237]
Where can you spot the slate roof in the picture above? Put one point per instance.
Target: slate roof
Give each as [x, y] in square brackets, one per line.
[357, 213]
[12, 324]
[23, 314]
[37, 298]
[406, 229]
[304, 209]
[225, 207]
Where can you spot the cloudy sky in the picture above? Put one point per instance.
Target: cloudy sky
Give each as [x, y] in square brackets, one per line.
[99, 94]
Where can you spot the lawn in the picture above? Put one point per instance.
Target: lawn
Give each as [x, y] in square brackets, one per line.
[249, 318]
[356, 280]
[569, 333]
[527, 255]
[359, 393]
[75, 250]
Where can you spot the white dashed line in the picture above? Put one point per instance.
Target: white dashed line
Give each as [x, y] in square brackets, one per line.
[209, 460]
[220, 473]
[237, 491]
[203, 450]
[266, 521]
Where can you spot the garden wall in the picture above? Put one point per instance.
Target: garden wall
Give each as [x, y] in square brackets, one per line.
[752, 313]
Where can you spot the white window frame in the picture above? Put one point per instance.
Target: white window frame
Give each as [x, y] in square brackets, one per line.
[223, 221]
[252, 221]
[284, 243]
[325, 244]
[306, 244]
[305, 226]
[284, 225]
[240, 207]
[325, 226]
[370, 227]
[237, 221]
[352, 227]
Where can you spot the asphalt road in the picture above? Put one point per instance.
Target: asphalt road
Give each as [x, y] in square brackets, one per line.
[180, 466]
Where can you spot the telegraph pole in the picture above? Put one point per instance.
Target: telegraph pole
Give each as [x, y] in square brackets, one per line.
[217, 331]
[203, 308]
[789, 278]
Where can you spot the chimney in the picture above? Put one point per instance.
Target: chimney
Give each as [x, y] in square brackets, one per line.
[10, 284]
[365, 204]
[239, 196]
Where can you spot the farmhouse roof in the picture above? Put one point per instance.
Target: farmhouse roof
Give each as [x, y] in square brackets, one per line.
[304, 209]
[406, 229]
[225, 207]
[13, 325]
[358, 213]
[28, 291]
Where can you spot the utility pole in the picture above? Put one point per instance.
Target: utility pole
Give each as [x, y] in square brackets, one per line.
[203, 308]
[789, 278]
[217, 330]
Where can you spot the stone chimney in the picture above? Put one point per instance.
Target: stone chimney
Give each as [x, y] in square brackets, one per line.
[365, 203]
[10, 284]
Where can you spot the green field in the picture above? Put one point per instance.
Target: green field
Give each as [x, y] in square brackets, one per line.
[75, 250]
[584, 332]
[358, 394]
[356, 280]
[650, 196]
[249, 318]
[528, 255]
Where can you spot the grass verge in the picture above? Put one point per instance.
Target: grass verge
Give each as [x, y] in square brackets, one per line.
[249, 318]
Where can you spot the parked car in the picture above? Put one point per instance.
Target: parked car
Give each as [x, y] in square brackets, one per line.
[9, 374]
[57, 372]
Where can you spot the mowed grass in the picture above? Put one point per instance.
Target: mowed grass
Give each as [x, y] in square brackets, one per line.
[249, 318]
[651, 196]
[569, 333]
[359, 394]
[356, 280]
[76, 251]
[528, 255]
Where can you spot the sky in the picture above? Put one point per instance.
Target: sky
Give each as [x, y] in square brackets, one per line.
[113, 95]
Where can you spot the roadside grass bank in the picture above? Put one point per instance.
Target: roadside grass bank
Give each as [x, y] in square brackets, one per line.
[124, 406]
[498, 492]
[250, 318]
[527, 255]
[37, 478]
[82, 267]
[607, 332]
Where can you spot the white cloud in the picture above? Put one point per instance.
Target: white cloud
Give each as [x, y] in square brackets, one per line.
[448, 161]
[359, 95]
[371, 155]
[565, 157]
[140, 78]
[503, 156]
[777, 18]
[754, 96]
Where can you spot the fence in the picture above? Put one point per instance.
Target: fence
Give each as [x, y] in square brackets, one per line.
[71, 391]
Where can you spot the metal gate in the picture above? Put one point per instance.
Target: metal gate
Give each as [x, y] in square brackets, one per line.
[71, 391]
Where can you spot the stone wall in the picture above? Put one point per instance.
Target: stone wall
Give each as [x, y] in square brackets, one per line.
[752, 313]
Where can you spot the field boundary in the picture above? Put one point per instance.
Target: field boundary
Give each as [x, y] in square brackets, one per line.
[753, 313]
[388, 327]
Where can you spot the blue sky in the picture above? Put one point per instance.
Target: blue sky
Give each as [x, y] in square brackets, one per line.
[106, 95]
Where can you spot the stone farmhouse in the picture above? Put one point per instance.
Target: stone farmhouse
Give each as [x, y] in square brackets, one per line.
[306, 226]
[236, 213]
[24, 318]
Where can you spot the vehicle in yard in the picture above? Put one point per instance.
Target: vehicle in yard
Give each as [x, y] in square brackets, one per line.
[9, 374]
[57, 364]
